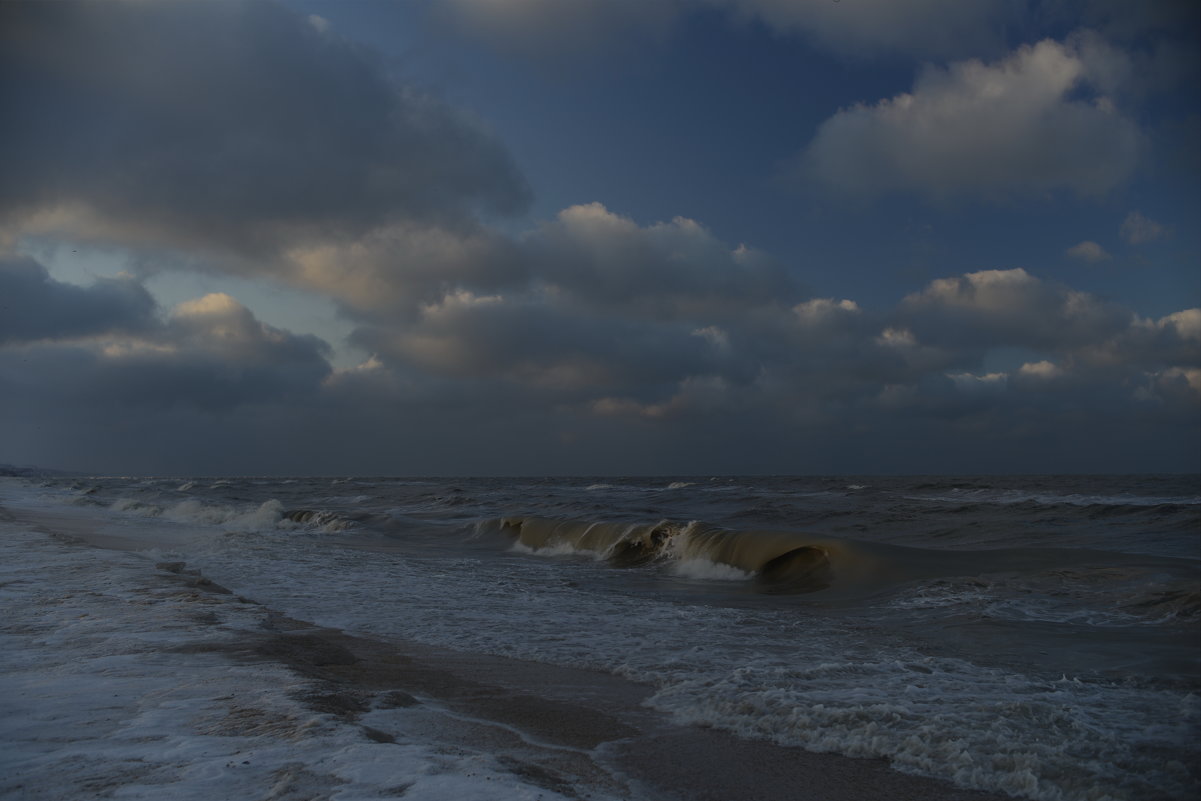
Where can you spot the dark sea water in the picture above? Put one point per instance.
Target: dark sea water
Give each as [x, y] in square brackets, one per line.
[1038, 635]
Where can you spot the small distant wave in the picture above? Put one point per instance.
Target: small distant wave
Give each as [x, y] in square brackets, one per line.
[85, 495]
[1013, 497]
[135, 507]
[1104, 597]
[1172, 605]
[597, 487]
[268, 515]
[680, 484]
[317, 518]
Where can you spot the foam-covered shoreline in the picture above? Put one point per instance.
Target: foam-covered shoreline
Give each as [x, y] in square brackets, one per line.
[122, 675]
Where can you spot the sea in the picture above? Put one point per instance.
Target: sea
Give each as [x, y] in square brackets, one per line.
[1038, 636]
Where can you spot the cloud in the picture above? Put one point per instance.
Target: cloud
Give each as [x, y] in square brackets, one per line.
[395, 269]
[587, 257]
[210, 354]
[34, 306]
[1173, 340]
[266, 144]
[1009, 308]
[535, 376]
[664, 323]
[1030, 123]
[1137, 229]
[255, 129]
[1042, 370]
[588, 302]
[673, 270]
[1089, 251]
[111, 347]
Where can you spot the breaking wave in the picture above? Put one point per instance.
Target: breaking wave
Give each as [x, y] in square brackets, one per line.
[777, 561]
[268, 515]
[1049, 584]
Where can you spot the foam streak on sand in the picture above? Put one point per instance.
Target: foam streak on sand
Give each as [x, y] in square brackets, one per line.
[123, 677]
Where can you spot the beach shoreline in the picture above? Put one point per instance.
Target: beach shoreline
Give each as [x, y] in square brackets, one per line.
[555, 732]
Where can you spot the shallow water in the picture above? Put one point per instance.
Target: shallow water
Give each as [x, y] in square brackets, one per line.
[1035, 635]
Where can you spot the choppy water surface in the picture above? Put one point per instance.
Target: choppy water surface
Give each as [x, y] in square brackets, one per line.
[1035, 635]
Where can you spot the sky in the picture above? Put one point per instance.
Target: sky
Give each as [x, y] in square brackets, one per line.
[600, 237]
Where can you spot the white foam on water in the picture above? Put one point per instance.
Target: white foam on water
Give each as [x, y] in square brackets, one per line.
[108, 685]
[705, 569]
[1058, 600]
[984, 729]
[555, 549]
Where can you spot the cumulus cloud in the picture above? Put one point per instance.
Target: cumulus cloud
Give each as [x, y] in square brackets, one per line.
[1173, 340]
[535, 362]
[1089, 251]
[675, 269]
[995, 308]
[225, 125]
[395, 269]
[664, 323]
[588, 302]
[1138, 229]
[212, 354]
[34, 306]
[1032, 122]
[1042, 370]
[109, 345]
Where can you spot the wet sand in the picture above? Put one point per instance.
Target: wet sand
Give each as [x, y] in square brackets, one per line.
[578, 733]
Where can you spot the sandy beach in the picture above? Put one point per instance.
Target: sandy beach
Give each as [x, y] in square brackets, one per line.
[126, 677]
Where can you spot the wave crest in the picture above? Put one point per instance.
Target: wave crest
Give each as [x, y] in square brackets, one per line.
[777, 561]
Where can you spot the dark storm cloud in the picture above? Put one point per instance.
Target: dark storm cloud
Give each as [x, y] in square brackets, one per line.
[225, 124]
[34, 306]
[107, 346]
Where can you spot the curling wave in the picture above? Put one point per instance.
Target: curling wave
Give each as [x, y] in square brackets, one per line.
[777, 561]
[1054, 584]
